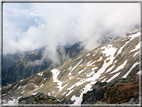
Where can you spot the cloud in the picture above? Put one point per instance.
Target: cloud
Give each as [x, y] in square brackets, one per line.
[31, 26]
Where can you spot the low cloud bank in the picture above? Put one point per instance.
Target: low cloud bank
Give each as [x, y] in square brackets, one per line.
[31, 26]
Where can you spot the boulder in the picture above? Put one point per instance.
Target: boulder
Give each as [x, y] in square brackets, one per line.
[23, 102]
[39, 98]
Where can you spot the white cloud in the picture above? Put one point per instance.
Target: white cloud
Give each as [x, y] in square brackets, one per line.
[31, 26]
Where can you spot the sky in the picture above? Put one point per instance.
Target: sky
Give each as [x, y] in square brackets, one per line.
[29, 26]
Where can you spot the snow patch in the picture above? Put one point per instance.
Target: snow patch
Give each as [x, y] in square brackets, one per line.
[103, 80]
[135, 35]
[136, 53]
[102, 77]
[53, 92]
[15, 86]
[88, 75]
[115, 61]
[88, 54]
[88, 64]
[70, 92]
[41, 86]
[14, 101]
[94, 69]
[120, 50]
[9, 85]
[21, 80]
[49, 93]
[110, 68]
[137, 47]
[94, 53]
[71, 87]
[40, 74]
[66, 84]
[113, 77]
[19, 87]
[71, 77]
[119, 67]
[70, 68]
[139, 73]
[75, 66]
[64, 93]
[99, 59]
[35, 85]
[22, 92]
[34, 93]
[55, 73]
[78, 100]
[109, 50]
[132, 37]
[130, 70]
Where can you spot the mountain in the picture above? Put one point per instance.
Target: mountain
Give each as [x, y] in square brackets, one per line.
[109, 35]
[13, 63]
[72, 52]
[10, 59]
[113, 61]
[19, 65]
[22, 66]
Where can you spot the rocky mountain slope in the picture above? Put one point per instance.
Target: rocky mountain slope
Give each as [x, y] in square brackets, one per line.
[22, 68]
[68, 82]
[13, 63]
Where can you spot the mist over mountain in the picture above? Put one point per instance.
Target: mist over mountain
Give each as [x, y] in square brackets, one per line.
[116, 63]
[71, 53]
[34, 62]
[32, 26]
